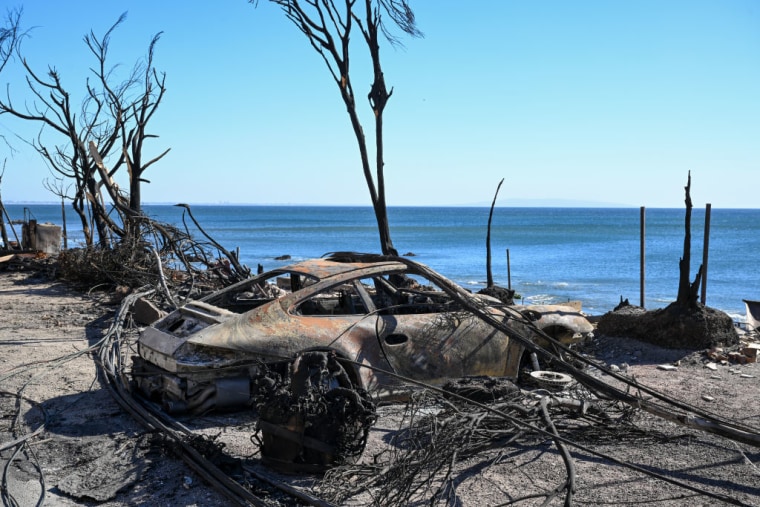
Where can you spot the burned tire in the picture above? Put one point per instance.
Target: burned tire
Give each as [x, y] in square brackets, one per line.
[551, 379]
[482, 389]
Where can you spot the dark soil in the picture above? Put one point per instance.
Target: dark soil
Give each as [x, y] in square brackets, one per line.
[672, 327]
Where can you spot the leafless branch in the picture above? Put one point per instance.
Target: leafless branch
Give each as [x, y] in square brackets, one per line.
[114, 116]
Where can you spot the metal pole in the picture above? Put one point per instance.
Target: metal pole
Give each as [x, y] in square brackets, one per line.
[509, 273]
[63, 217]
[705, 248]
[642, 276]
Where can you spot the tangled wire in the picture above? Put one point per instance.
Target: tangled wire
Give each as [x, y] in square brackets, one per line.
[439, 430]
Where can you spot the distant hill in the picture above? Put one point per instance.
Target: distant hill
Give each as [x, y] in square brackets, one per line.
[553, 203]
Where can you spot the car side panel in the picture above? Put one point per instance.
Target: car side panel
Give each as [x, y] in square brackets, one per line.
[437, 347]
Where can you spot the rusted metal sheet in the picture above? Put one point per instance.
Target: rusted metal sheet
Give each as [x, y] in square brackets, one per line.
[564, 323]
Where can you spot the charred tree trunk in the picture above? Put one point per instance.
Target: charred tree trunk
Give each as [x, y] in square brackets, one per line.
[506, 296]
[378, 98]
[80, 208]
[687, 292]
[489, 273]
[328, 26]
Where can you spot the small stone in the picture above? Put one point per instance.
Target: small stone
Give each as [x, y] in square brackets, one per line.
[667, 367]
[615, 368]
[746, 375]
[751, 352]
[707, 397]
[711, 366]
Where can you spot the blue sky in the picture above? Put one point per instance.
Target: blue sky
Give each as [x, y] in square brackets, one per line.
[576, 103]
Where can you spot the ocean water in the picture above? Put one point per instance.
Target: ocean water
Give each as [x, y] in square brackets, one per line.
[555, 254]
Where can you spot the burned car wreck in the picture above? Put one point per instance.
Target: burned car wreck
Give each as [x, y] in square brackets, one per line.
[380, 318]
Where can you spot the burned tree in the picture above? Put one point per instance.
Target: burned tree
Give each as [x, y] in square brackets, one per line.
[685, 323]
[505, 295]
[489, 273]
[687, 292]
[329, 28]
[112, 118]
[102, 143]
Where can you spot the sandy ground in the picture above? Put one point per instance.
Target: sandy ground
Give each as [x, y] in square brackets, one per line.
[83, 449]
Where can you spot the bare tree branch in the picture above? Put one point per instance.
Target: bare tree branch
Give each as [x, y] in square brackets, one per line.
[114, 117]
[328, 25]
[10, 36]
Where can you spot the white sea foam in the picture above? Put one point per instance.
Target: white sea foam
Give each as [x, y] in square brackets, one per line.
[540, 299]
[738, 317]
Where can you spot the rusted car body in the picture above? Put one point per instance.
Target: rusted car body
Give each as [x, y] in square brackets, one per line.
[562, 322]
[382, 318]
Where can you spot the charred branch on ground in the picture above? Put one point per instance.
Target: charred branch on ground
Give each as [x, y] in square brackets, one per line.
[159, 254]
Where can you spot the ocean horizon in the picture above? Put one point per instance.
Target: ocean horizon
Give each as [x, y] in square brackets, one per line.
[556, 254]
[510, 203]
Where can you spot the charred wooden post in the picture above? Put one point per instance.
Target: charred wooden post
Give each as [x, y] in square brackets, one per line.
[3, 232]
[3, 216]
[642, 266]
[63, 221]
[705, 250]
